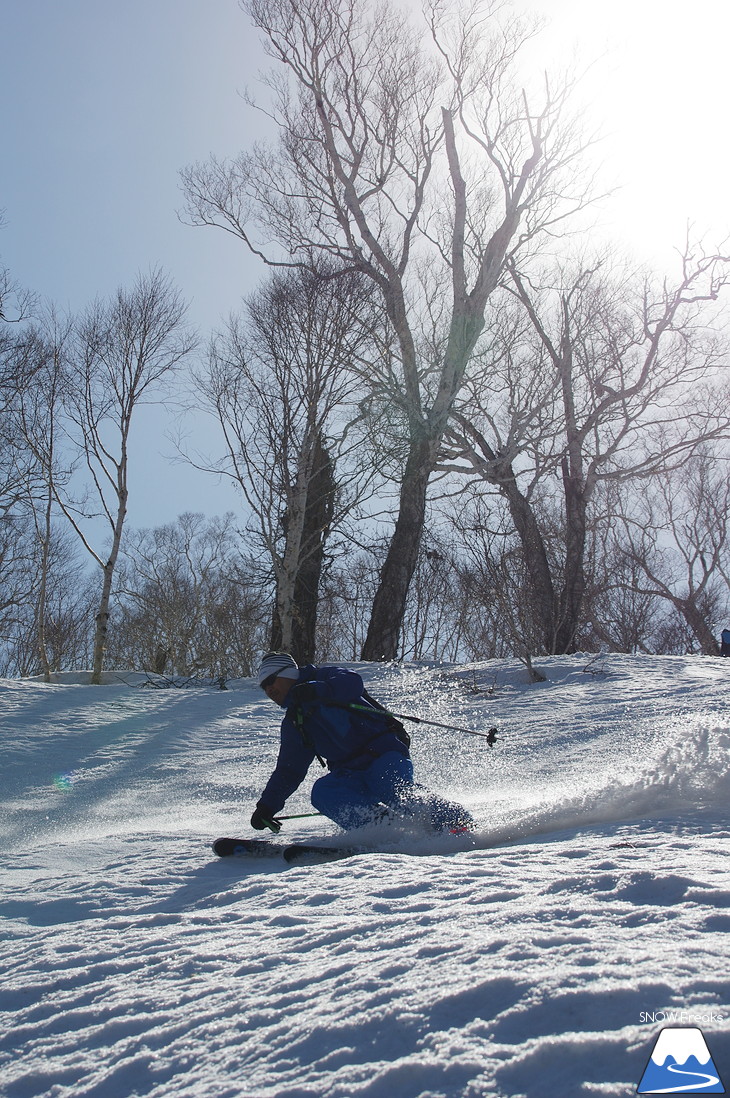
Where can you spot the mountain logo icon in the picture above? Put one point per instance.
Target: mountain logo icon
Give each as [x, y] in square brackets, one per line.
[680, 1063]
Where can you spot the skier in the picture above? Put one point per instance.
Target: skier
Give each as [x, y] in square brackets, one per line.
[725, 642]
[370, 777]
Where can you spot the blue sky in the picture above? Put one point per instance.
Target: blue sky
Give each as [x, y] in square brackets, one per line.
[105, 100]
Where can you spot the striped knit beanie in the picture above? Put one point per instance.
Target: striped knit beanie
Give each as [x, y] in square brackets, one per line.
[278, 664]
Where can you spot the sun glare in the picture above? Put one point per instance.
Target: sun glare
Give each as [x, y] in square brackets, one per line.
[656, 86]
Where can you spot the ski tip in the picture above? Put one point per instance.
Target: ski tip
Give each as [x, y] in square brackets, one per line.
[224, 848]
[256, 848]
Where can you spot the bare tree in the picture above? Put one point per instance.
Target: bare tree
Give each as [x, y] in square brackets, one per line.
[494, 578]
[437, 610]
[66, 603]
[346, 596]
[17, 304]
[42, 589]
[188, 601]
[608, 383]
[620, 616]
[281, 384]
[405, 153]
[19, 360]
[123, 349]
[19, 481]
[39, 418]
[676, 537]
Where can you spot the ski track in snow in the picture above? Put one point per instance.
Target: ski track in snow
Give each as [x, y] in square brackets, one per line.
[134, 963]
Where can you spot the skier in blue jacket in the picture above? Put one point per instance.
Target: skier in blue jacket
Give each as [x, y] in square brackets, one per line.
[370, 770]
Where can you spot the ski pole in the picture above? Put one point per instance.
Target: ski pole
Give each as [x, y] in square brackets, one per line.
[274, 824]
[489, 736]
[299, 816]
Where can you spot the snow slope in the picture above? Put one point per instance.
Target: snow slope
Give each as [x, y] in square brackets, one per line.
[543, 963]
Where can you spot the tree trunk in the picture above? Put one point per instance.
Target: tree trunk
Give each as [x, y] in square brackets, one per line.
[574, 579]
[575, 493]
[45, 539]
[383, 636]
[287, 565]
[162, 655]
[294, 622]
[317, 518]
[102, 616]
[696, 621]
[535, 554]
[102, 622]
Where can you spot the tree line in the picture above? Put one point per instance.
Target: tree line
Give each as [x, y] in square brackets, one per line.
[453, 434]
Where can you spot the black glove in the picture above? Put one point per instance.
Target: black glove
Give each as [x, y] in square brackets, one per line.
[263, 817]
[301, 693]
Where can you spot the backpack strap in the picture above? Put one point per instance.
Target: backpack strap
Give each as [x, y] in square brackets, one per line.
[393, 725]
[306, 738]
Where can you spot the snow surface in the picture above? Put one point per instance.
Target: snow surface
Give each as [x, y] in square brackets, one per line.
[543, 963]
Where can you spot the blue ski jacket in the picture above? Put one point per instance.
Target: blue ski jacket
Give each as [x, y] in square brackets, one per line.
[344, 738]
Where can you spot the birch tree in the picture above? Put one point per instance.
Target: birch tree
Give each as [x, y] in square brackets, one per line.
[407, 153]
[123, 349]
[281, 385]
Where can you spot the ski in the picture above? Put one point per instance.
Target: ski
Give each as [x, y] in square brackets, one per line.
[295, 852]
[290, 852]
[257, 848]
[312, 852]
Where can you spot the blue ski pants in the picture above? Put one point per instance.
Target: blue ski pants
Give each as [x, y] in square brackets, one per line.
[353, 798]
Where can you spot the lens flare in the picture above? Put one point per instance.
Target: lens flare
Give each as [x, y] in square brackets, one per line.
[64, 782]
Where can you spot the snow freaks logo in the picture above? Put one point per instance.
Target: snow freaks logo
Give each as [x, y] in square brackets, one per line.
[680, 1063]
